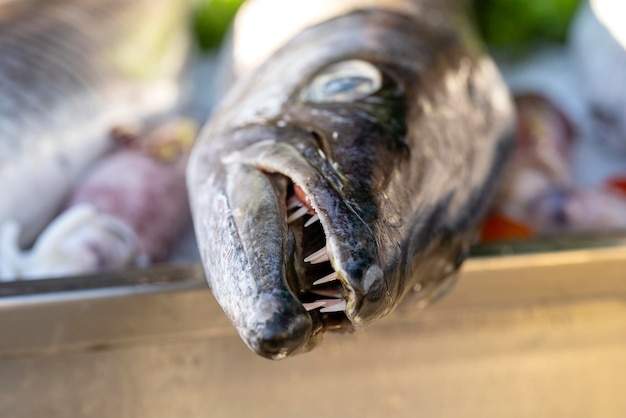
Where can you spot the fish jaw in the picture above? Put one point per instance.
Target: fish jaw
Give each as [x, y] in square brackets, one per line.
[254, 254]
[244, 252]
[261, 260]
[344, 240]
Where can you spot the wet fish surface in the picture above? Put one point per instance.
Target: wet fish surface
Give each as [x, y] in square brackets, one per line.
[70, 72]
[128, 209]
[347, 170]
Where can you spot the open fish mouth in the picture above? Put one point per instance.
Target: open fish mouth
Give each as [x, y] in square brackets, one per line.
[312, 277]
[308, 259]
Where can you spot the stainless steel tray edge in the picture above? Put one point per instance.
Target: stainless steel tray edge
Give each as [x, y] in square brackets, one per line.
[164, 303]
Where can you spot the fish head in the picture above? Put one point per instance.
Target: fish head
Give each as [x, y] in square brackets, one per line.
[327, 185]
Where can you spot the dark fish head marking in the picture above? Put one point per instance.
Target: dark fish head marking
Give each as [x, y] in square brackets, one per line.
[346, 171]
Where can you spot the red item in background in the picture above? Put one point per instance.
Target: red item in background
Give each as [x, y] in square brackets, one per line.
[617, 183]
[500, 228]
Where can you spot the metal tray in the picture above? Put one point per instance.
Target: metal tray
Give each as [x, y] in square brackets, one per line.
[532, 328]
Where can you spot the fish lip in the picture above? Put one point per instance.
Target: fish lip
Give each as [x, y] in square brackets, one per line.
[245, 269]
[361, 275]
[285, 333]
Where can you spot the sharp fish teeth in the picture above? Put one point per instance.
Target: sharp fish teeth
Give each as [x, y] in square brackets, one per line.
[326, 279]
[317, 257]
[329, 305]
[336, 305]
[314, 305]
[312, 220]
[297, 214]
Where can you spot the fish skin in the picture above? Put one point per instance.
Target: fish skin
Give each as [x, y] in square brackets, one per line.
[402, 178]
[72, 70]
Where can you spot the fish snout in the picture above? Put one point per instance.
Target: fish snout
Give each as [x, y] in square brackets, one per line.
[248, 260]
[373, 298]
[287, 331]
[292, 258]
[332, 265]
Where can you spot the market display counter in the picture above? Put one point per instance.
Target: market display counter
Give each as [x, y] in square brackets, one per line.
[539, 334]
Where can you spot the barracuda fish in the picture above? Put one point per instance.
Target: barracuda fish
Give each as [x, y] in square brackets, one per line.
[72, 70]
[348, 169]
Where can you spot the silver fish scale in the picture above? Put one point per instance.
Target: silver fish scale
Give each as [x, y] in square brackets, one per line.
[25, 115]
[48, 72]
[70, 71]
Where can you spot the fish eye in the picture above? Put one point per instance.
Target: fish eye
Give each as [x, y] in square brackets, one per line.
[345, 81]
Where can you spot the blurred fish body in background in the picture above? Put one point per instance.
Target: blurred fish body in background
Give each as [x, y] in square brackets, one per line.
[128, 209]
[71, 72]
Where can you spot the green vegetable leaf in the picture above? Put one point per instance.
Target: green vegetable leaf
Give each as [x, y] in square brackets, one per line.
[518, 23]
[212, 19]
